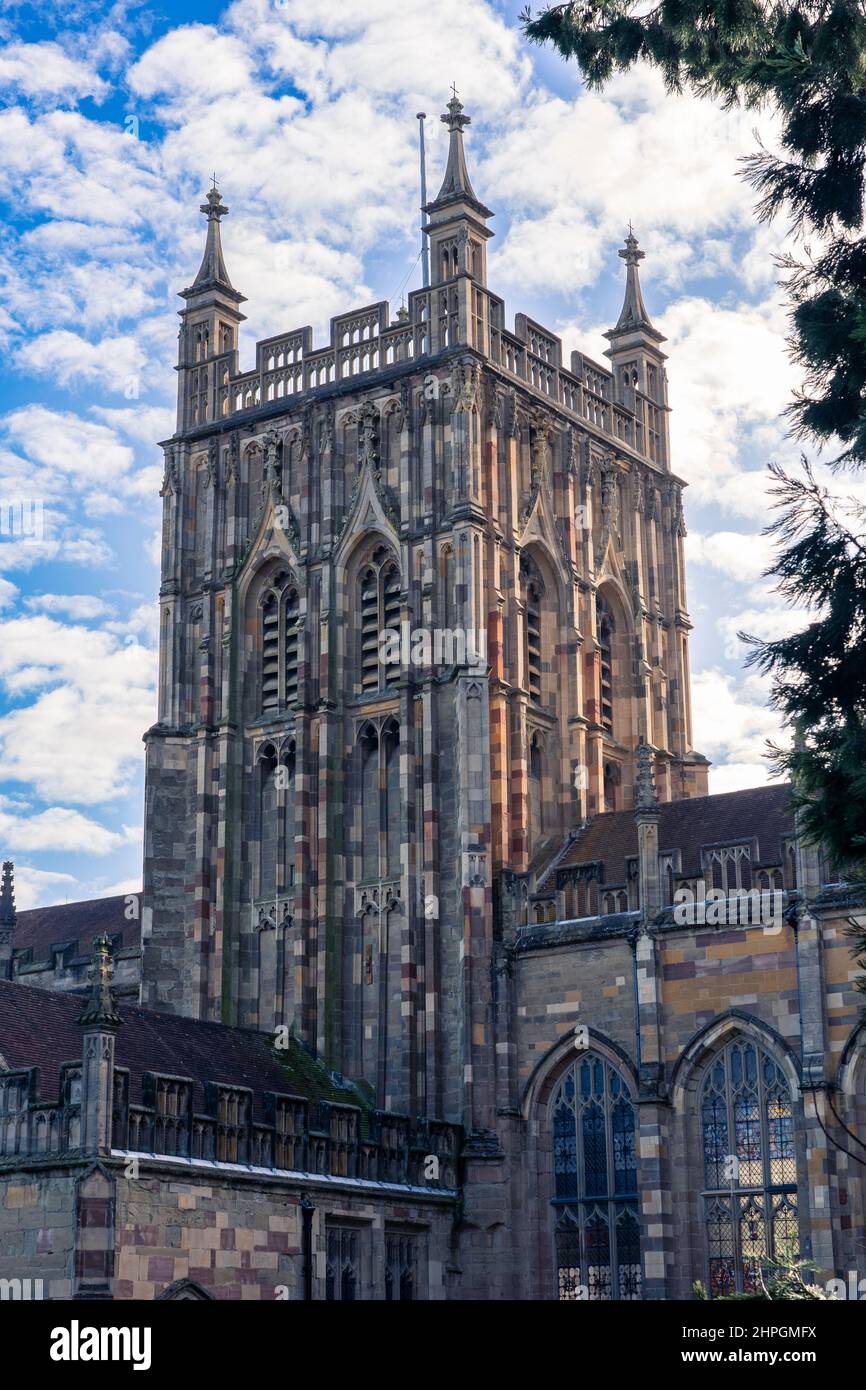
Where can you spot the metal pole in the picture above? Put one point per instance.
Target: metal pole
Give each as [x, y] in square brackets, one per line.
[425, 249]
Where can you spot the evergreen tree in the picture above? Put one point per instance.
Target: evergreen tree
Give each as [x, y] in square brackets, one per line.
[807, 63]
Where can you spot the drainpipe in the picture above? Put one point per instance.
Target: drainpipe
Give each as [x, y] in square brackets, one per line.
[307, 1209]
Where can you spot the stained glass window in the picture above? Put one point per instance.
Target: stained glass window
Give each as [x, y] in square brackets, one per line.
[750, 1171]
[596, 1229]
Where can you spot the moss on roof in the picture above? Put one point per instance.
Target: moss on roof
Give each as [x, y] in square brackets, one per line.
[307, 1075]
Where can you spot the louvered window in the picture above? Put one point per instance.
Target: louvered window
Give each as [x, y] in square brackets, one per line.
[280, 639]
[533, 642]
[379, 597]
[605, 643]
[290, 618]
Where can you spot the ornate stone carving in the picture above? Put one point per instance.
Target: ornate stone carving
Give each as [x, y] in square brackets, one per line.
[170, 476]
[609, 524]
[233, 458]
[211, 477]
[272, 473]
[368, 437]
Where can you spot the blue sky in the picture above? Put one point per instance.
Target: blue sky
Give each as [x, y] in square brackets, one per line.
[112, 121]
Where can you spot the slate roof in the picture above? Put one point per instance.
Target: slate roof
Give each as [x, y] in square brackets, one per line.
[688, 825]
[41, 928]
[38, 1028]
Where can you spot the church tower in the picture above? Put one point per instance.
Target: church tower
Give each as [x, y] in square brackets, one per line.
[422, 601]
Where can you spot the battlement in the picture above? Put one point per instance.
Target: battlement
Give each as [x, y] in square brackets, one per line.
[365, 342]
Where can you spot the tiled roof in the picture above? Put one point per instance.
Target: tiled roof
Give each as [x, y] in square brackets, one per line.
[38, 1028]
[40, 928]
[688, 825]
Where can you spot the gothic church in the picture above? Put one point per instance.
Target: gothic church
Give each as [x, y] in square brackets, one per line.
[407, 1010]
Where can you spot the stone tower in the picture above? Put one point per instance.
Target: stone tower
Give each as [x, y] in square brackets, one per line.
[422, 599]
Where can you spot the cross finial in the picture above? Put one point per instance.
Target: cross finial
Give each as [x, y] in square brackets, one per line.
[454, 118]
[214, 208]
[631, 253]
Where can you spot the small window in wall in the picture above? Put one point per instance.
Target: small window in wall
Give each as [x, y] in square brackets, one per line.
[401, 1267]
[343, 1267]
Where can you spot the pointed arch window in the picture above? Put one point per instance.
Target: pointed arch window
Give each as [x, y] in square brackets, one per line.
[595, 1201]
[750, 1168]
[379, 605]
[279, 636]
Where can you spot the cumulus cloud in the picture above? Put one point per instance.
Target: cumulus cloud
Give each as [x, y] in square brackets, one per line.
[40, 70]
[79, 738]
[59, 828]
[732, 726]
[78, 606]
[70, 359]
[42, 887]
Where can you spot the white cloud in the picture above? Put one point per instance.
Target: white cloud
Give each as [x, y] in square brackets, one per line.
[43, 69]
[70, 359]
[739, 555]
[42, 887]
[60, 829]
[79, 739]
[65, 443]
[81, 607]
[730, 381]
[732, 725]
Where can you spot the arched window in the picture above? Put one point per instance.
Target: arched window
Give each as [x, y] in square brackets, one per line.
[379, 603]
[279, 631]
[750, 1170]
[595, 1196]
